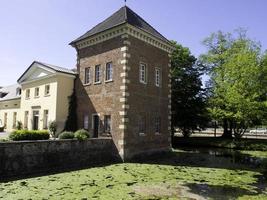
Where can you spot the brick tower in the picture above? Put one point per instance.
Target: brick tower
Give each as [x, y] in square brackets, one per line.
[123, 90]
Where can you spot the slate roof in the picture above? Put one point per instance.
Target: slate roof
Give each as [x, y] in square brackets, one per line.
[10, 91]
[57, 68]
[122, 16]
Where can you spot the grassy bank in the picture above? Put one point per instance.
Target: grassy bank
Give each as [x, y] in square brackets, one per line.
[241, 144]
[179, 175]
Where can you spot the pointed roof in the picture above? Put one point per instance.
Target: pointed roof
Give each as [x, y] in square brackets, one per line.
[122, 16]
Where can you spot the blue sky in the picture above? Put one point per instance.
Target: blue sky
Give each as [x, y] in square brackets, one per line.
[41, 29]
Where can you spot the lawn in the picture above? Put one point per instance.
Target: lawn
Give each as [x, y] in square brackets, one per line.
[178, 175]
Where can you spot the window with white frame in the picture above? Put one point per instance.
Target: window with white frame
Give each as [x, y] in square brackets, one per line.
[86, 121]
[47, 90]
[109, 71]
[87, 75]
[157, 77]
[107, 123]
[97, 73]
[27, 93]
[143, 73]
[36, 92]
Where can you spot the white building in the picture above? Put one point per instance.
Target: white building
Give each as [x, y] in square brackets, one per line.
[41, 96]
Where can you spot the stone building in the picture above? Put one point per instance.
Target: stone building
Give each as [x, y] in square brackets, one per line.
[123, 89]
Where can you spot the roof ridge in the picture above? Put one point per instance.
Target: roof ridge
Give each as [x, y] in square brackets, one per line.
[125, 13]
[138, 16]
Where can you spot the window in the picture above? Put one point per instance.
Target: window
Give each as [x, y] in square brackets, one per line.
[157, 77]
[26, 119]
[47, 90]
[109, 72]
[87, 74]
[36, 92]
[14, 119]
[45, 120]
[142, 125]
[5, 120]
[157, 125]
[97, 74]
[27, 93]
[85, 122]
[142, 73]
[107, 123]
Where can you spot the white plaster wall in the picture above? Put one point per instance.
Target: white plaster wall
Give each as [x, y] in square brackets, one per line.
[10, 107]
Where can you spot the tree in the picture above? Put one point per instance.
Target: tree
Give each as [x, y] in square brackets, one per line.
[237, 72]
[71, 122]
[188, 102]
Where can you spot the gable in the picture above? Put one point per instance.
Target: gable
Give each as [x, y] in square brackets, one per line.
[35, 72]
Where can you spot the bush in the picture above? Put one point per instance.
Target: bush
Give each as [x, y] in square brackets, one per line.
[82, 134]
[19, 125]
[19, 135]
[66, 135]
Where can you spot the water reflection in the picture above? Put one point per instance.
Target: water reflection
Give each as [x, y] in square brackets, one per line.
[234, 156]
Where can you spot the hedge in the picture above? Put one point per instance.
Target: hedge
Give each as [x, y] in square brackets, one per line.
[19, 135]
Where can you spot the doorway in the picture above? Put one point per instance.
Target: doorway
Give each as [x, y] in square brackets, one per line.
[95, 125]
[35, 120]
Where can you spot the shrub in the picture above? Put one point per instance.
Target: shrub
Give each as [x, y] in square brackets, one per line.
[19, 135]
[19, 125]
[53, 128]
[66, 135]
[82, 134]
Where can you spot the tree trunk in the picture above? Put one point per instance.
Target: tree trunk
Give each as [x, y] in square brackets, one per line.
[226, 133]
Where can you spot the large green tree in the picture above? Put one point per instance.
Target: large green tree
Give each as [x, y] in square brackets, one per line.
[188, 99]
[237, 72]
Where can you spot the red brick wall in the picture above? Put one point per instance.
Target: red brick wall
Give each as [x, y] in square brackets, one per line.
[147, 99]
[103, 98]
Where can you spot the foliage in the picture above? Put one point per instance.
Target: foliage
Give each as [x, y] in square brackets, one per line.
[82, 134]
[238, 81]
[66, 135]
[71, 122]
[53, 128]
[188, 97]
[121, 181]
[19, 125]
[19, 135]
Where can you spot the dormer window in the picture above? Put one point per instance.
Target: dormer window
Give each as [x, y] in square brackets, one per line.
[3, 94]
[18, 91]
